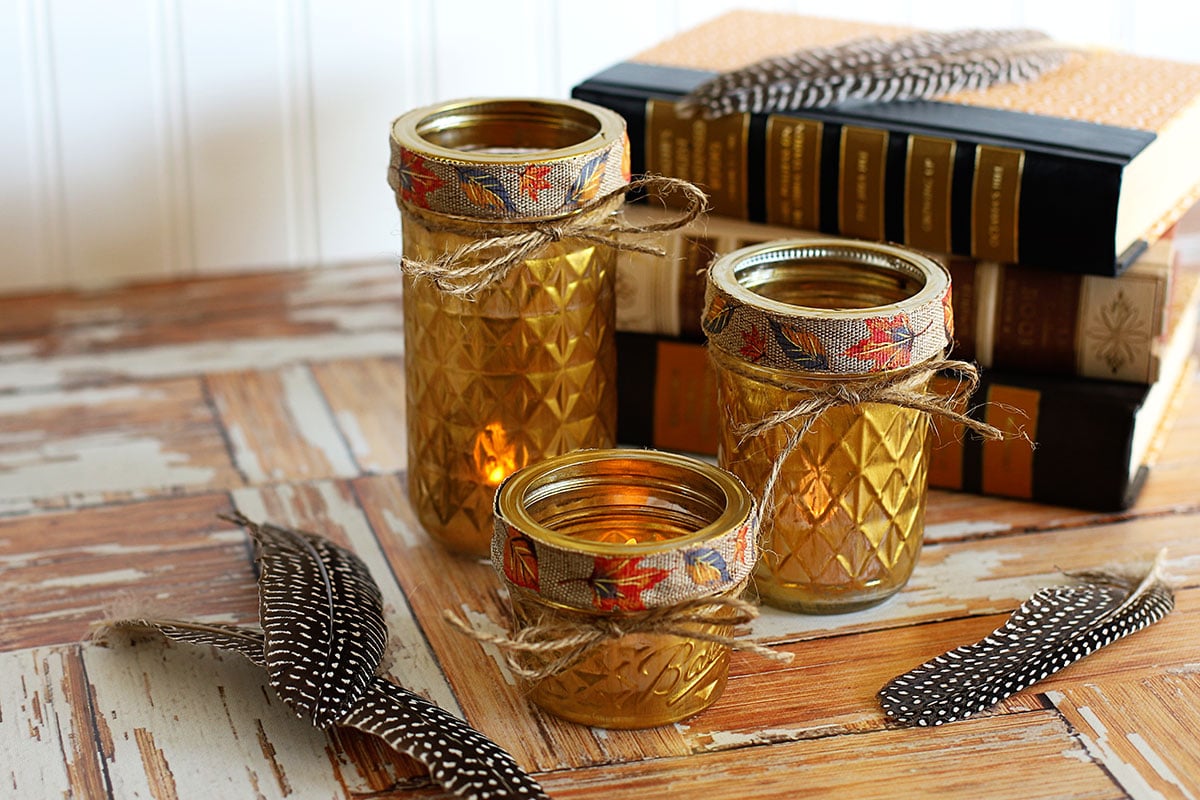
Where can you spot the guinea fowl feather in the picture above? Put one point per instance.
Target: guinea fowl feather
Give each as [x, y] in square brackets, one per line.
[1054, 628]
[322, 639]
[918, 67]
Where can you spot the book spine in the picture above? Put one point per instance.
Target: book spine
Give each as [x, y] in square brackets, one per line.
[1084, 429]
[1006, 316]
[826, 171]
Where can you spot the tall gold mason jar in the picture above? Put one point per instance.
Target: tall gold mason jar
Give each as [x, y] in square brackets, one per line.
[523, 368]
[799, 332]
[609, 536]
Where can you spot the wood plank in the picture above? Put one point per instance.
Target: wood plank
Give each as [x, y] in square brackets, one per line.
[50, 744]
[279, 425]
[490, 695]
[83, 447]
[1143, 731]
[366, 396]
[182, 721]
[199, 300]
[1025, 756]
[63, 571]
[994, 574]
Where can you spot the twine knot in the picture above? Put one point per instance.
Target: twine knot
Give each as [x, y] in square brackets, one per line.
[489, 259]
[906, 388]
[555, 645]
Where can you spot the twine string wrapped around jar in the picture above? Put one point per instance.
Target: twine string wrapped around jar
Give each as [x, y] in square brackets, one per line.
[472, 267]
[904, 388]
[561, 644]
[824, 350]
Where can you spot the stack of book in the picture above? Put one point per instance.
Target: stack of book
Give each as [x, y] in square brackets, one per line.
[1051, 202]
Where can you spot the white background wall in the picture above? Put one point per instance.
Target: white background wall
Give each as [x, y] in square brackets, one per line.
[149, 139]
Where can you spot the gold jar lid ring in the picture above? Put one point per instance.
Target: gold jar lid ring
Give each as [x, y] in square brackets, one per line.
[507, 159]
[624, 530]
[829, 306]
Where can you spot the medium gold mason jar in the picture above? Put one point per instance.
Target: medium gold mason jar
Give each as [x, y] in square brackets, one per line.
[617, 537]
[522, 367]
[800, 333]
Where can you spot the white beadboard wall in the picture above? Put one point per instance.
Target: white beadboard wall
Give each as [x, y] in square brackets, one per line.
[151, 139]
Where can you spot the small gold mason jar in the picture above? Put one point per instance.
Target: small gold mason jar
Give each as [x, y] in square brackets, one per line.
[523, 367]
[803, 334]
[616, 540]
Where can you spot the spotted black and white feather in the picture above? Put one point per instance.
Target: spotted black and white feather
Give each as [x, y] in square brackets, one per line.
[460, 758]
[322, 616]
[1052, 629]
[922, 66]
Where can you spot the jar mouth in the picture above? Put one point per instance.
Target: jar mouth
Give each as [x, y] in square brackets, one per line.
[829, 278]
[623, 502]
[509, 130]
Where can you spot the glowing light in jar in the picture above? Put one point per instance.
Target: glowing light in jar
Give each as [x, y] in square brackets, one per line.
[495, 458]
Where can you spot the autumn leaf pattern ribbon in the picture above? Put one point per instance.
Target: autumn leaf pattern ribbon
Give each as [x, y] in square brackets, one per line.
[845, 341]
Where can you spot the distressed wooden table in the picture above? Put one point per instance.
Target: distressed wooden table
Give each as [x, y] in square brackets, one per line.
[130, 419]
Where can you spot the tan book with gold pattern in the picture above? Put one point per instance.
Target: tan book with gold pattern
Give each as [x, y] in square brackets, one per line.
[1085, 166]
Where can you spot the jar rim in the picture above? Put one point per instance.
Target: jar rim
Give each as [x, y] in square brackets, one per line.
[513, 495]
[414, 129]
[726, 269]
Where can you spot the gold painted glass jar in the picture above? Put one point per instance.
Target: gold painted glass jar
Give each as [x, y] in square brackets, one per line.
[813, 342]
[615, 541]
[508, 367]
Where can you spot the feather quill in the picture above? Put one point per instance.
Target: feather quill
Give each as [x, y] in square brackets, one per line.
[917, 67]
[304, 647]
[1056, 627]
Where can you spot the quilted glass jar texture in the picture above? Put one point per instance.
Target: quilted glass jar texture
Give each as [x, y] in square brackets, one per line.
[524, 368]
[791, 325]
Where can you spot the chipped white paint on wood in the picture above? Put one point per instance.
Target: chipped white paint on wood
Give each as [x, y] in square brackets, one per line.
[81, 470]
[45, 741]
[361, 317]
[190, 359]
[202, 722]
[414, 665]
[959, 583]
[1097, 743]
[960, 529]
[311, 418]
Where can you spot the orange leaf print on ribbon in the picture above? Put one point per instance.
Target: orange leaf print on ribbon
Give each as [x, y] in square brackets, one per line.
[484, 189]
[520, 560]
[533, 180]
[948, 316]
[705, 566]
[888, 344]
[416, 179]
[618, 583]
[754, 344]
[719, 312]
[587, 183]
[741, 544]
[626, 158]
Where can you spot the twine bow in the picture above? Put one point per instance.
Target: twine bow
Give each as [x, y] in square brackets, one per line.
[488, 260]
[904, 388]
[562, 643]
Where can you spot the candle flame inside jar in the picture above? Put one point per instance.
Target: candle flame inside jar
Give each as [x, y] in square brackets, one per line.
[495, 457]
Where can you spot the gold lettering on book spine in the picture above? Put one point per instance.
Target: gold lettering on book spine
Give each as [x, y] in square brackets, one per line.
[996, 202]
[860, 188]
[793, 185]
[709, 153]
[928, 179]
